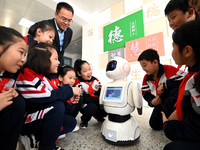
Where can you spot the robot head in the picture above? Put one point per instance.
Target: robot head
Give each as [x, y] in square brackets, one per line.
[118, 68]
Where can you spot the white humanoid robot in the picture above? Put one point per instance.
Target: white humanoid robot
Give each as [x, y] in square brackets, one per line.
[119, 99]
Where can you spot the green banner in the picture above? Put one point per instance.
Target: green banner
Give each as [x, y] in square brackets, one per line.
[123, 30]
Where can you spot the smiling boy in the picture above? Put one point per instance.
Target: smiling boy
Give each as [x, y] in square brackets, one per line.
[178, 12]
[160, 86]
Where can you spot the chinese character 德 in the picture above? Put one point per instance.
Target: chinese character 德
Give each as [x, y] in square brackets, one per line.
[153, 11]
[114, 36]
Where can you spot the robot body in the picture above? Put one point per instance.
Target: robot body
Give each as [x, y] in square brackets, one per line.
[119, 99]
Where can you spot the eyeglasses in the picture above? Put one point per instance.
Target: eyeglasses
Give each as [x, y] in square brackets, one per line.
[65, 19]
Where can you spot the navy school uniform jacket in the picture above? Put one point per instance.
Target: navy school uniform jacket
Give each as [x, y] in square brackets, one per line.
[38, 90]
[188, 125]
[28, 39]
[90, 88]
[169, 75]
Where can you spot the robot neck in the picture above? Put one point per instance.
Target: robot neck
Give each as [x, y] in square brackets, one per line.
[122, 79]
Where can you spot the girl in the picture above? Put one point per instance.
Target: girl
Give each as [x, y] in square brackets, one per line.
[91, 91]
[67, 75]
[45, 110]
[183, 126]
[41, 31]
[12, 107]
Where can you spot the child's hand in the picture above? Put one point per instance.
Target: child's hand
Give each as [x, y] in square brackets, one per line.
[164, 118]
[173, 116]
[6, 97]
[12, 90]
[75, 99]
[156, 101]
[160, 89]
[77, 91]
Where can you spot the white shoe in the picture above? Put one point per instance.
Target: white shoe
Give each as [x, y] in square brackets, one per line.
[29, 142]
[62, 136]
[76, 128]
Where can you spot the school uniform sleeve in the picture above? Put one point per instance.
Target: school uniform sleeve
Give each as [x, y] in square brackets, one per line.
[146, 92]
[34, 90]
[187, 129]
[174, 77]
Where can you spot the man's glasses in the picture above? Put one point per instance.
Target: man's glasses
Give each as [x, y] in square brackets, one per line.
[65, 19]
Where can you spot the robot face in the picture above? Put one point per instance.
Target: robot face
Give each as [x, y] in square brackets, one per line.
[111, 65]
[118, 68]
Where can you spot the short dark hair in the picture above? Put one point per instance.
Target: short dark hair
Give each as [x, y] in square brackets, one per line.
[64, 5]
[62, 71]
[149, 55]
[43, 25]
[188, 34]
[176, 5]
[78, 65]
[38, 58]
[8, 37]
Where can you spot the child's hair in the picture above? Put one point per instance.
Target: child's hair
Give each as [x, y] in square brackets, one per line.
[43, 25]
[62, 71]
[181, 5]
[78, 64]
[176, 5]
[64, 5]
[38, 58]
[8, 37]
[188, 34]
[149, 55]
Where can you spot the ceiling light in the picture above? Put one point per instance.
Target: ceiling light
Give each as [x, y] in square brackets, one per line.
[26, 23]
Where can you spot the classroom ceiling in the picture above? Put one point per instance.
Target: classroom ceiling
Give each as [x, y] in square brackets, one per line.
[35, 10]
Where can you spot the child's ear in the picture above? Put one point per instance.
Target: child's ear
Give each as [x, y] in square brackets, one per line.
[187, 51]
[38, 31]
[60, 78]
[78, 73]
[155, 62]
[1, 49]
[191, 15]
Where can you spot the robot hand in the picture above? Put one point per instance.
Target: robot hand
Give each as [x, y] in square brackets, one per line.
[137, 96]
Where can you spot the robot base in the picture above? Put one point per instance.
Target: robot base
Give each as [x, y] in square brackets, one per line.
[126, 133]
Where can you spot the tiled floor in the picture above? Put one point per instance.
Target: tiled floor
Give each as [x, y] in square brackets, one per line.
[91, 139]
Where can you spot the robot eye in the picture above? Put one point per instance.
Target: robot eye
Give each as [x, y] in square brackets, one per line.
[111, 65]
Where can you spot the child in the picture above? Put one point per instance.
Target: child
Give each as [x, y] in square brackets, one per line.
[41, 31]
[160, 85]
[183, 126]
[45, 110]
[194, 3]
[12, 107]
[91, 91]
[178, 13]
[67, 75]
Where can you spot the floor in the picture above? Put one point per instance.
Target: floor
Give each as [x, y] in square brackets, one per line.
[91, 139]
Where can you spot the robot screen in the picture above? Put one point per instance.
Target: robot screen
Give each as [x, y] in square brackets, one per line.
[113, 93]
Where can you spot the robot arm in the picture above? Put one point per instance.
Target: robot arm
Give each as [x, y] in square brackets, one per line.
[101, 97]
[137, 96]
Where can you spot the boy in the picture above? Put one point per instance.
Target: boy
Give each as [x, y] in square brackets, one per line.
[178, 12]
[195, 4]
[160, 84]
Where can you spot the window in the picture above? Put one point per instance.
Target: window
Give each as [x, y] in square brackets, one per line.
[67, 61]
